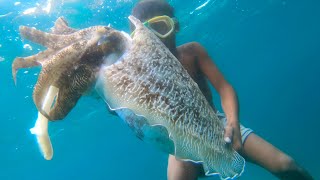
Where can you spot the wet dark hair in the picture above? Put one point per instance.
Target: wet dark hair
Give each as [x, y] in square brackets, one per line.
[147, 9]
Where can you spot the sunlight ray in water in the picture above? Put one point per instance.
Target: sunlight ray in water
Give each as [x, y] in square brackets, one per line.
[203, 5]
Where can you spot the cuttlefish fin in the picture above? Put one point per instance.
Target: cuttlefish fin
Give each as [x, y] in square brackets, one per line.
[41, 126]
[30, 61]
[227, 163]
[61, 27]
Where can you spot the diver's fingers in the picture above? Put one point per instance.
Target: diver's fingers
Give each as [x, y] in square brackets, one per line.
[228, 134]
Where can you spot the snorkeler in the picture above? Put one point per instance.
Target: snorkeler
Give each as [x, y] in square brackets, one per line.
[159, 17]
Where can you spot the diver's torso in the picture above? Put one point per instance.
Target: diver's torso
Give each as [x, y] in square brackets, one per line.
[189, 60]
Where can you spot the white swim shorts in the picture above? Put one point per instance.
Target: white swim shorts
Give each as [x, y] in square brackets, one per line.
[245, 132]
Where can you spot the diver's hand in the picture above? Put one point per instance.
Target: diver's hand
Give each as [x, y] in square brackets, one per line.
[232, 135]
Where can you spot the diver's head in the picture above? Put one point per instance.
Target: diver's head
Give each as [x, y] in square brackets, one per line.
[158, 16]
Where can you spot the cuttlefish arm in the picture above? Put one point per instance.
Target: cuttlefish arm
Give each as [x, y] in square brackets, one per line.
[57, 41]
[31, 61]
[49, 40]
[41, 126]
[61, 27]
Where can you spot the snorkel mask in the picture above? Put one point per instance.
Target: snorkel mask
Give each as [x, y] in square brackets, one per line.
[161, 26]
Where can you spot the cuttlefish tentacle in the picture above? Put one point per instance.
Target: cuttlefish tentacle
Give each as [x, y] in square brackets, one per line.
[61, 27]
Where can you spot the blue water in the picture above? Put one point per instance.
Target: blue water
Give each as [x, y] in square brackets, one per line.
[268, 50]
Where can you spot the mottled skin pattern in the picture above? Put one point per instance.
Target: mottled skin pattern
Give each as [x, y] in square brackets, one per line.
[70, 63]
[151, 82]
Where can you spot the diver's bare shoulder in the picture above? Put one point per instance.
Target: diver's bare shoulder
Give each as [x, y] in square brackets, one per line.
[188, 55]
[190, 49]
[193, 56]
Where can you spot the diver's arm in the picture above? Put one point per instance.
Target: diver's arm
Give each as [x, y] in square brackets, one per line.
[229, 100]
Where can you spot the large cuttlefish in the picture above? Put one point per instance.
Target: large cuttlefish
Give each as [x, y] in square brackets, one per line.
[139, 79]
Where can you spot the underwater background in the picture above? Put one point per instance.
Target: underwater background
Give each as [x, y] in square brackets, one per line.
[268, 50]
